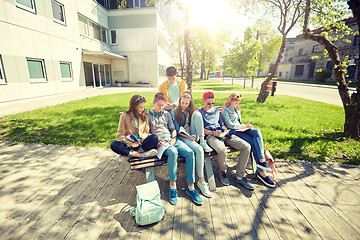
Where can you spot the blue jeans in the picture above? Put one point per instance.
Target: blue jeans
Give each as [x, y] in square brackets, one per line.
[121, 148]
[199, 155]
[197, 125]
[184, 151]
[254, 138]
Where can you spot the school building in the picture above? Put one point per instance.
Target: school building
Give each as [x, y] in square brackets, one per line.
[49, 47]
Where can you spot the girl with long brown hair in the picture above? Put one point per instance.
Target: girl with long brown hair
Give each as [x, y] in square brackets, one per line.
[133, 135]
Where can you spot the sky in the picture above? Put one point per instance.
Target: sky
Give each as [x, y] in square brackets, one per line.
[208, 13]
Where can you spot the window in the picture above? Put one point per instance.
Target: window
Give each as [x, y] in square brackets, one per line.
[280, 74]
[113, 36]
[28, 5]
[299, 70]
[65, 68]
[315, 49]
[95, 31]
[300, 52]
[103, 35]
[2, 74]
[58, 12]
[36, 70]
[83, 25]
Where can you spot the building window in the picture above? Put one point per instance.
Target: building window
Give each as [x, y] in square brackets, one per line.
[300, 52]
[58, 12]
[28, 5]
[2, 73]
[65, 68]
[36, 70]
[315, 49]
[83, 25]
[113, 36]
[299, 70]
[95, 30]
[104, 34]
[280, 74]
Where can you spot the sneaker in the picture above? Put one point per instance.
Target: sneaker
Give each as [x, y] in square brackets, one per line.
[263, 166]
[224, 179]
[173, 196]
[205, 146]
[204, 188]
[243, 181]
[266, 180]
[195, 196]
[150, 153]
[123, 158]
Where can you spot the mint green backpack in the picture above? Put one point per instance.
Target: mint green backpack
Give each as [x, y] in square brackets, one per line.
[149, 208]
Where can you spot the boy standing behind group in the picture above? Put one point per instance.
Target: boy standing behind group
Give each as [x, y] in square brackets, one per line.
[173, 87]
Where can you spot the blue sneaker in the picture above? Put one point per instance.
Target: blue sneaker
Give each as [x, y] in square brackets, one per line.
[173, 196]
[266, 180]
[224, 179]
[263, 166]
[195, 196]
[243, 181]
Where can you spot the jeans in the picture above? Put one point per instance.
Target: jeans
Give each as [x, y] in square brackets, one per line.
[184, 151]
[121, 148]
[199, 155]
[197, 125]
[254, 138]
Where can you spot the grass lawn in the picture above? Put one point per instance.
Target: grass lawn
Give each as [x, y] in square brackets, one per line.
[292, 128]
[217, 85]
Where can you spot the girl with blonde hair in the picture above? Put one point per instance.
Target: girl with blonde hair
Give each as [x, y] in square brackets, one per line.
[232, 118]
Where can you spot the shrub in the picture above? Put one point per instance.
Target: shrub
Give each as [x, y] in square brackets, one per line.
[321, 75]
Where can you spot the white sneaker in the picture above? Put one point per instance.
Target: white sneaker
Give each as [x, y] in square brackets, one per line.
[205, 146]
[204, 188]
[150, 153]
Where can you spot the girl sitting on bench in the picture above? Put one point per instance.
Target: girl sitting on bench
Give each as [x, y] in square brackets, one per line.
[135, 122]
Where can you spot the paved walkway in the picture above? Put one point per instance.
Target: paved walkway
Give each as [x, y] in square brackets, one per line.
[62, 192]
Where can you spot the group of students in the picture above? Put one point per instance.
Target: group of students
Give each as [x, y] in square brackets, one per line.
[208, 128]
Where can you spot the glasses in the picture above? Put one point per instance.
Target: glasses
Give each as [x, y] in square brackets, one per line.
[140, 99]
[210, 103]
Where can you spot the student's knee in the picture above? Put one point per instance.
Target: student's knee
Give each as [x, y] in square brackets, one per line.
[172, 152]
[153, 138]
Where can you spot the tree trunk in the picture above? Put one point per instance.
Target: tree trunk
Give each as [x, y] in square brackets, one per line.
[263, 92]
[350, 103]
[352, 116]
[187, 48]
[202, 66]
[258, 73]
[181, 61]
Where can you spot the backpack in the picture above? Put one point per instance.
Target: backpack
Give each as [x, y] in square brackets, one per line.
[149, 208]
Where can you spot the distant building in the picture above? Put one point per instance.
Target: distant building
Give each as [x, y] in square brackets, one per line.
[298, 64]
[50, 47]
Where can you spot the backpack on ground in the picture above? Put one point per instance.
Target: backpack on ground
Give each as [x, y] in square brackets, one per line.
[149, 208]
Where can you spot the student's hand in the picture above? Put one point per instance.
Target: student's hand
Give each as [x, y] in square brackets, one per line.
[161, 142]
[217, 133]
[249, 126]
[192, 137]
[172, 141]
[224, 128]
[134, 145]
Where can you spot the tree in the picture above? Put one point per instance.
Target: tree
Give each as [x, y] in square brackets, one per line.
[289, 12]
[177, 44]
[329, 15]
[270, 44]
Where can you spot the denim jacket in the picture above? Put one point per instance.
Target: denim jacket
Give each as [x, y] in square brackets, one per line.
[176, 123]
[230, 117]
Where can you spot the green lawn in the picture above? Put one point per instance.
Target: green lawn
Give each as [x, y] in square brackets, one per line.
[217, 85]
[293, 128]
